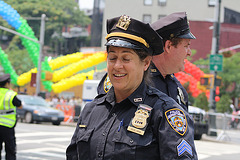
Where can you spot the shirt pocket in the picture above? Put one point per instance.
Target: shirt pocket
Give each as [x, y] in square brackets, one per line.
[129, 145]
[83, 145]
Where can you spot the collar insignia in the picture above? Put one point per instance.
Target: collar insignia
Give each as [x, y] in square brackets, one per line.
[139, 122]
[177, 120]
[180, 93]
[123, 22]
[153, 70]
[137, 99]
[107, 84]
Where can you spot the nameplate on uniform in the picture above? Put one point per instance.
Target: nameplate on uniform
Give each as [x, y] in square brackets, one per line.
[82, 126]
[139, 122]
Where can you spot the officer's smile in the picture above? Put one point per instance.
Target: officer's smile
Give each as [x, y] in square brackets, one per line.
[119, 75]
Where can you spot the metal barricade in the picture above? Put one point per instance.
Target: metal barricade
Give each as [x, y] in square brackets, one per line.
[226, 126]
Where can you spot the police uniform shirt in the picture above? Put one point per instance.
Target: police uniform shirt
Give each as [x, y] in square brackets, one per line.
[170, 86]
[102, 129]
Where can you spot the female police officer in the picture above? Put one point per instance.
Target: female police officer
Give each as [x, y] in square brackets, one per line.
[133, 120]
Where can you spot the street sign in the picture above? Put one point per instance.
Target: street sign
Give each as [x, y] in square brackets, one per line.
[216, 62]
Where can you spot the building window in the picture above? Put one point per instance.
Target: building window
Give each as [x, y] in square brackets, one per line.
[148, 2]
[147, 18]
[161, 16]
[162, 2]
[211, 3]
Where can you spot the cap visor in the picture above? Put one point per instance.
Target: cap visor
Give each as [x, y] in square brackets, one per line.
[187, 36]
[121, 43]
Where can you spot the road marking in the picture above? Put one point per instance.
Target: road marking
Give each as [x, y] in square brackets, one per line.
[33, 134]
[43, 140]
[46, 152]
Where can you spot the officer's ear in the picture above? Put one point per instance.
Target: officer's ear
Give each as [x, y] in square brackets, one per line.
[147, 62]
[167, 46]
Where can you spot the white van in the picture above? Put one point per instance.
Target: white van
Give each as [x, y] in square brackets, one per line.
[89, 91]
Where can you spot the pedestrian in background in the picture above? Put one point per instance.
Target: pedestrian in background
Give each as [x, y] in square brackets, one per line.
[133, 121]
[8, 117]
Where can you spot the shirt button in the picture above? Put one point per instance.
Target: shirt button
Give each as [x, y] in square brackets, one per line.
[113, 114]
[131, 141]
[99, 154]
[103, 134]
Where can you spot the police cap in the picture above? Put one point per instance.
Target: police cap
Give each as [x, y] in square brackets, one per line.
[130, 33]
[174, 25]
[4, 78]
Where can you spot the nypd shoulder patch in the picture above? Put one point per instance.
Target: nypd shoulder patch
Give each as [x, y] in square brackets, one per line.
[177, 120]
[184, 147]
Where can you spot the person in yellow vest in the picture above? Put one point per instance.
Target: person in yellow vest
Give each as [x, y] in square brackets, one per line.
[8, 118]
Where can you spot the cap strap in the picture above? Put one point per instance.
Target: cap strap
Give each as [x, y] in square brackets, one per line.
[129, 36]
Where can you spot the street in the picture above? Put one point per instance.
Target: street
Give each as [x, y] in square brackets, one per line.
[48, 142]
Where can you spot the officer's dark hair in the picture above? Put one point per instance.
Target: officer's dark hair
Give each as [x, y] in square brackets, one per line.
[175, 41]
[2, 84]
[142, 54]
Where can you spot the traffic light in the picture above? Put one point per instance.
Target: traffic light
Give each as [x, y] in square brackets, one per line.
[218, 81]
[204, 81]
[208, 80]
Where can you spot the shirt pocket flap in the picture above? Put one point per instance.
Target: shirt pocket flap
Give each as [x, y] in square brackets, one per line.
[133, 139]
[84, 134]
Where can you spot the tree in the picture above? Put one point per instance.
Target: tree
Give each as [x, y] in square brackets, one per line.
[230, 74]
[59, 14]
[201, 101]
[19, 58]
[223, 105]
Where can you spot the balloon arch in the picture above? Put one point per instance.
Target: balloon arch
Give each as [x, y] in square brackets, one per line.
[64, 69]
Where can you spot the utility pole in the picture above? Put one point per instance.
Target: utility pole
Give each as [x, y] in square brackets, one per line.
[215, 51]
[42, 31]
[96, 28]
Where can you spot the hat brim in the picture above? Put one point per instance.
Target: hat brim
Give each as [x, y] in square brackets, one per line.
[121, 43]
[187, 36]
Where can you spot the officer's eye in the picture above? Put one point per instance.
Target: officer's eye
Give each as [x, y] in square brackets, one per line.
[112, 59]
[126, 59]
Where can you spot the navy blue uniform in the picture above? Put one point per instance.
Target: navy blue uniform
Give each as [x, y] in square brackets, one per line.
[108, 130]
[170, 86]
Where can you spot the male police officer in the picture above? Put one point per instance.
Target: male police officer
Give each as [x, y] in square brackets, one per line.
[8, 101]
[174, 30]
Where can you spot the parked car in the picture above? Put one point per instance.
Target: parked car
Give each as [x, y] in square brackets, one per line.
[200, 121]
[36, 109]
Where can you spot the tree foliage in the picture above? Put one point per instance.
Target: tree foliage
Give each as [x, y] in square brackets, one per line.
[201, 101]
[230, 74]
[19, 58]
[223, 105]
[59, 14]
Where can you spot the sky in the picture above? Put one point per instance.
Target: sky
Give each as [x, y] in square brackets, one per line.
[86, 4]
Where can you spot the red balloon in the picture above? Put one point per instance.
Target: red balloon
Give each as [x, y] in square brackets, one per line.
[217, 90]
[217, 98]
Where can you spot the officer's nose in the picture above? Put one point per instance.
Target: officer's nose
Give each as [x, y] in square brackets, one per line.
[118, 64]
[189, 52]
